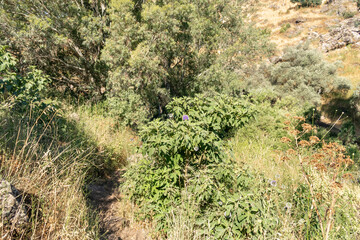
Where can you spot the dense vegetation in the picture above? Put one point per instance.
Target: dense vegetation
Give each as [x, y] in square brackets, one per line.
[307, 3]
[228, 144]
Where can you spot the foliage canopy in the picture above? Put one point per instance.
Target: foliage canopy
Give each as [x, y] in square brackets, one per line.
[163, 49]
[303, 73]
[63, 38]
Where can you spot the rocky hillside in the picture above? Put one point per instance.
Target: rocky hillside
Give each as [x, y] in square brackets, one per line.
[333, 27]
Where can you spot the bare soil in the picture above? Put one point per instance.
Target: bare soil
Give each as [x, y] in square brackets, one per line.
[105, 197]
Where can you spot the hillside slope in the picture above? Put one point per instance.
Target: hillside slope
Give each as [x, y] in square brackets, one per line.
[290, 24]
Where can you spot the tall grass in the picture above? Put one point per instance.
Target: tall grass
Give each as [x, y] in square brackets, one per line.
[50, 156]
[117, 141]
[258, 146]
[50, 174]
[349, 57]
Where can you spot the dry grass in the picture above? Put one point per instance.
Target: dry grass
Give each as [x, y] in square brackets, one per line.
[51, 182]
[260, 154]
[51, 167]
[350, 58]
[120, 142]
[263, 153]
[273, 14]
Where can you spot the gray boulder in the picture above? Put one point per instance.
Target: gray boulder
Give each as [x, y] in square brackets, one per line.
[339, 7]
[348, 32]
[12, 211]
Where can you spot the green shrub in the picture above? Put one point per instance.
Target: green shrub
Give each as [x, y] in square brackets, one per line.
[243, 212]
[185, 159]
[159, 50]
[285, 27]
[357, 22]
[192, 136]
[219, 114]
[301, 73]
[62, 38]
[19, 89]
[308, 3]
[347, 15]
[128, 109]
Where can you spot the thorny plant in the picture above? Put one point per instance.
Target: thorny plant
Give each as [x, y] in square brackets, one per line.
[317, 158]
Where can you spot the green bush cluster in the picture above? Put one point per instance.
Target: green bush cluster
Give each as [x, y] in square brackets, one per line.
[308, 3]
[158, 50]
[22, 89]
[301, 72]
[348, 14]
[63, 38]
[185, 159]
[285, 27]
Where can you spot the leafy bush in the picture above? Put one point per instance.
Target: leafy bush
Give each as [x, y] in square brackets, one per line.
[18, 89]
[62, 38]
[285, 27]
[171, 141]
[219, 114]
[308, 3]
[302, 73]
[347, 15]
[128, 109]
[243, 212]
[185, 160]
[158, 50]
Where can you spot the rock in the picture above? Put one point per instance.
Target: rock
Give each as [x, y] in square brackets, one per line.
[339, 7]
[313, 35]
[275, 60]
[294, 32]
[274, 6]
[324, 9]
[12, 210]
[348, 32]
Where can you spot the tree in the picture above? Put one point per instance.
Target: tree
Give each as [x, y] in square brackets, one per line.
[64, 38]
[158, 50]
[303, 73]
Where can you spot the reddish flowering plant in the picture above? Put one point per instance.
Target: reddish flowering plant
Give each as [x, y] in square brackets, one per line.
[329, 160]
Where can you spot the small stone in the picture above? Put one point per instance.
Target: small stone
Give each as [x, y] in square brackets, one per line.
[12, 211]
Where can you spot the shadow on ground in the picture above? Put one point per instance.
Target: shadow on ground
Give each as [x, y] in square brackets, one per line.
[104, 196]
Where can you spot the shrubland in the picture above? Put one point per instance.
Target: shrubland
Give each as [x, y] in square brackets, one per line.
[48, 152]
[158, 50]
[276, 178]
[215, 141]
[303, 73]
[308, 3]
[62, 38]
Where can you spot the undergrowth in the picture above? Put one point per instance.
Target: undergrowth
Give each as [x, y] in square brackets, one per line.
[50, 155]
[50, 175]
[200, 182]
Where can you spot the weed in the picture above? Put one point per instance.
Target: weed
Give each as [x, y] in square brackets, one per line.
[347, 15]
[323, 169]
[285, 27]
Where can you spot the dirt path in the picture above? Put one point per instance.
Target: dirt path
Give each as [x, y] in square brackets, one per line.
[104, 195]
